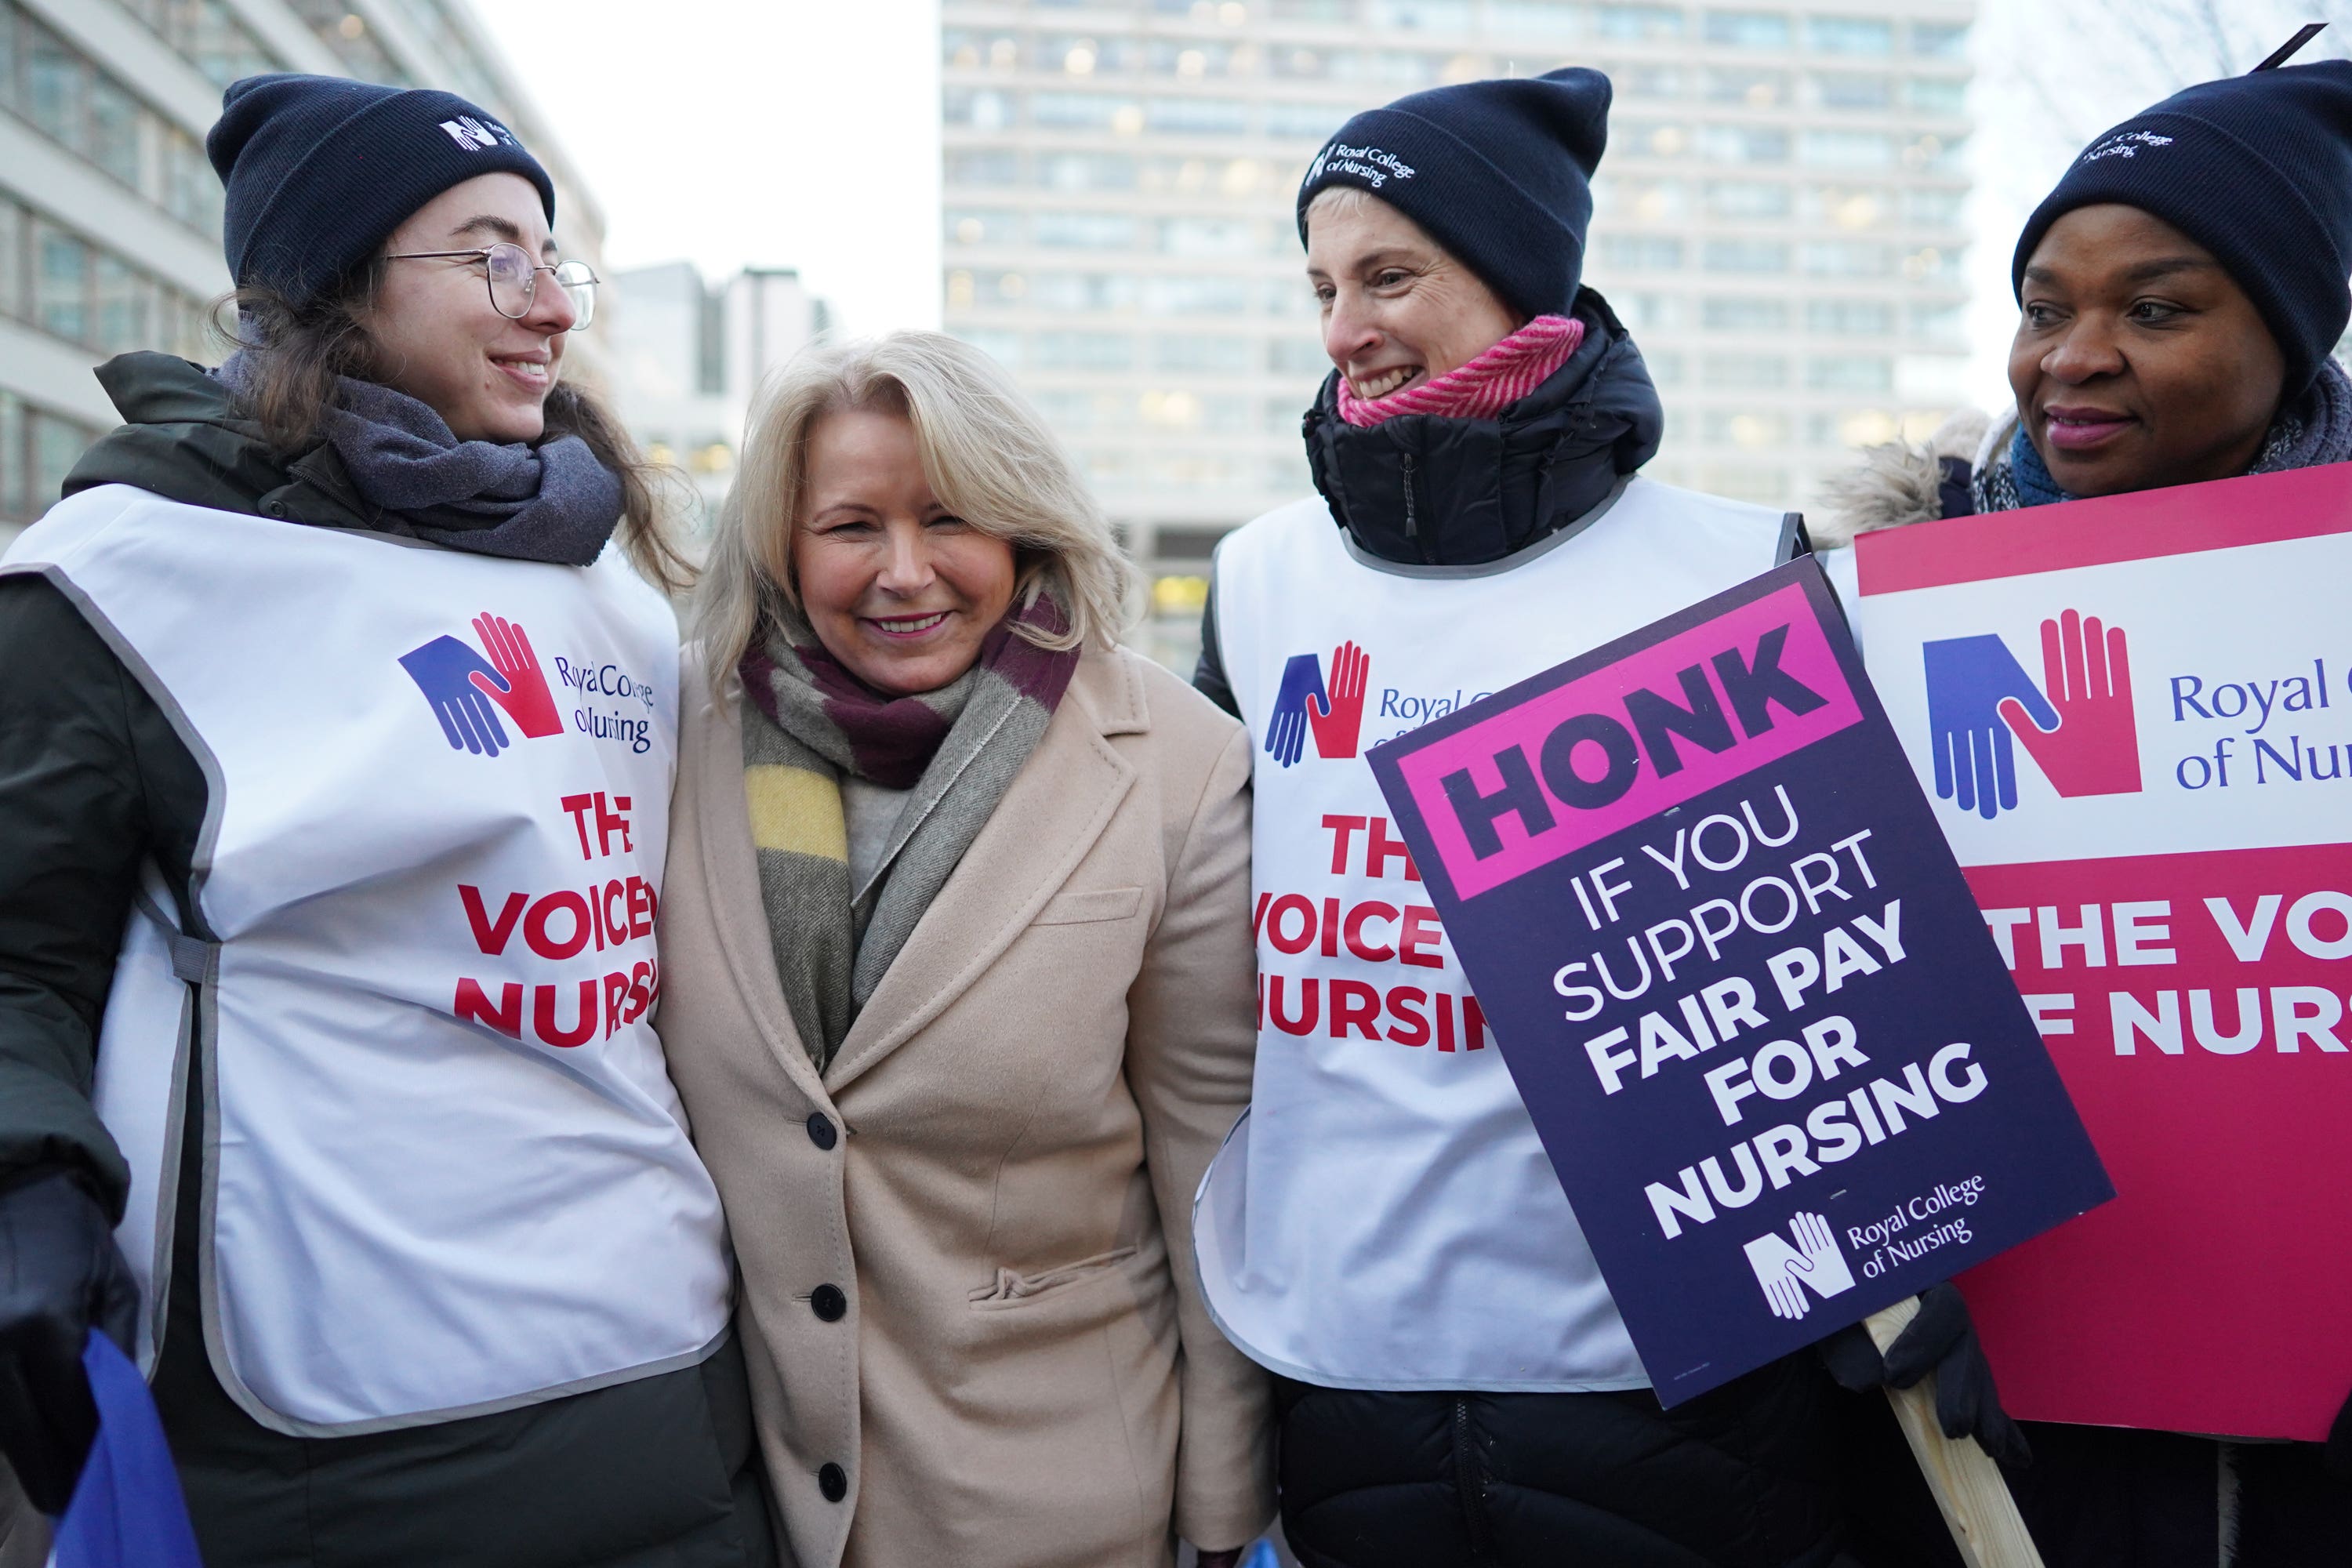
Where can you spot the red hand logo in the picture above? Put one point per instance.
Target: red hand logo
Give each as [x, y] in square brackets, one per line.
[1339, 718]
[2086, 670]
[526, 699]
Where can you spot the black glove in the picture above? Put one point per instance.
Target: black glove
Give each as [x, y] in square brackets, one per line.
[60, 1272]
[1943, 1341]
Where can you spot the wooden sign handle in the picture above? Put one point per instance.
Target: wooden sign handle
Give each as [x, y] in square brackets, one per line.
[1969, 1488]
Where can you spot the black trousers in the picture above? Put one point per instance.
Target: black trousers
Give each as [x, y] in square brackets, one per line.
[2104, 1497]
[1754, 1475]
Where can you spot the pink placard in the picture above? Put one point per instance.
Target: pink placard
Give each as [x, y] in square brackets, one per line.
[1778, 630]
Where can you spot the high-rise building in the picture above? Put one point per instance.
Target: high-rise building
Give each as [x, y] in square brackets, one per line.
[109, 215]
[1778, 219]
[687, 357]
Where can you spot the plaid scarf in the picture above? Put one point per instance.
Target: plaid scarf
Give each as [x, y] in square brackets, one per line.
[955, 749]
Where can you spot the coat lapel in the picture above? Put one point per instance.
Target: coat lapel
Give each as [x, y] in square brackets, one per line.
[1057, 806]
[731, 871]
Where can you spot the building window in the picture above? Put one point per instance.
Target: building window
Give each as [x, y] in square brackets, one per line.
[1647, 312]
[1295, 356]
[13, 466]
[984, 225]
[1181, 296]
[14, 221]
[1423, 16]
[1939, 94]
[57, 446]
[1850, 318]
[1534, 18]
[1652, 201]
[1085, 110]
[1743, 144]
[1939, 209]
[1744, 255]
[1941, 324]
[991, 166]
[1086, 231]
[1199, 116]
[1749, 29]
[1002, 347]
[1086, 171]
[1208, 236]
[1747, 198]
[1638, 21]
[1638, 252]
[984, 109]
[1847, 149]
[1081, 351]
[1746, 371]
[1754, 88]
[1211, 355]
[1940, 40]
[1850, 373]
[1749, 431]
[1068, 291]
[61, 277]
[1850, 35]
[1853, 90]
[1649, 137]
[1742, 313]
[1847, 258]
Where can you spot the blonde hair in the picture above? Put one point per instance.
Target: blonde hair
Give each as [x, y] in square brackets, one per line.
[988, 457]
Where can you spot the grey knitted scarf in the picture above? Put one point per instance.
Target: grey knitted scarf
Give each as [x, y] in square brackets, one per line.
[554, 501]
[808, 721]
[2315, 429]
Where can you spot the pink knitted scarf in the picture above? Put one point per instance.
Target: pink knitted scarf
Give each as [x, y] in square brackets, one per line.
[1482, 388]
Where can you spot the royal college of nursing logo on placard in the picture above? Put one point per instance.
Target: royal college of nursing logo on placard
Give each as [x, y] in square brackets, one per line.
[2077, 725]
[1335, 713]
[467, 692]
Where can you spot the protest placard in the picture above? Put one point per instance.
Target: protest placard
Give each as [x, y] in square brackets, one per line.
[1767, 1040]
[2137, 714]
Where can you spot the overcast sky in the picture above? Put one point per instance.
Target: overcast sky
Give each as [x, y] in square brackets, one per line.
[731, 133]
[805, 132]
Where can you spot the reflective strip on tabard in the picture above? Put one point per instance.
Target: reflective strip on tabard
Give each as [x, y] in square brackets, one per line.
[1385, 1218]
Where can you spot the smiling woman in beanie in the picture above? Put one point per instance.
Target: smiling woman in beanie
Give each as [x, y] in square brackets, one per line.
[2180, 290]
[330, 839]
[1384, 1229]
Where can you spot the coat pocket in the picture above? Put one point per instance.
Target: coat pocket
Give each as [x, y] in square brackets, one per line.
[1012, 1289]
[1095, 904]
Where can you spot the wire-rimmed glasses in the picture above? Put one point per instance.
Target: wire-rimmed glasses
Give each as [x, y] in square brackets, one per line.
[513, 278]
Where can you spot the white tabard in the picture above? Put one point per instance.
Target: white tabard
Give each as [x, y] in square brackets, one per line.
[445, 1171]
[1384, 1216]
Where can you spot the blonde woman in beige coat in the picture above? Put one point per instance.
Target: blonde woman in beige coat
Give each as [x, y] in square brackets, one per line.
[958, 989]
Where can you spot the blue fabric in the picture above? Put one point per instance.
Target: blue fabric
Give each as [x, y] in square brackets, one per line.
[127, 1511]
[1500, 173]
[320, 170]
[2034, 485]
[2257, 170]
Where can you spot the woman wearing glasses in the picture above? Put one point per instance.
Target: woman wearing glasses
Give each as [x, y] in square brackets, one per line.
[334, 773]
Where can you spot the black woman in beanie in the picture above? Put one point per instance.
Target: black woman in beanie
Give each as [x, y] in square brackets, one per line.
[1383, 1230]
[330, 838]
[2181, 291]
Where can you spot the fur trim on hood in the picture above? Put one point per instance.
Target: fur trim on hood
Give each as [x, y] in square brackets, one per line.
[1894, 483]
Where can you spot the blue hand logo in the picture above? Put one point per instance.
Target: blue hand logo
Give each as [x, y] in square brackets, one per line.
[1976, 760]
[444, 670]
[1286, 732]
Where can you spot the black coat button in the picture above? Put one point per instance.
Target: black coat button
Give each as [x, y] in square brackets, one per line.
[821, 1132]
[828, 1303]
[832, 1482]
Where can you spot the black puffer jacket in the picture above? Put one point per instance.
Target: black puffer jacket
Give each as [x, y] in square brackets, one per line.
[658, 1473]
[1777, 1469]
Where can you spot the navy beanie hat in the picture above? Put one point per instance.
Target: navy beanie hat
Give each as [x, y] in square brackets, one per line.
[2257, 170]
[320, 170]
[1500, 173]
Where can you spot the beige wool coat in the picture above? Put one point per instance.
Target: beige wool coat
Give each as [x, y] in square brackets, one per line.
[966, 1253]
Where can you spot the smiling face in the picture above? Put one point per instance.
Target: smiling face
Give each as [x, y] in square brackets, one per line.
[2138, 360]
[433, 333]
[897, 587]
[1398, 310]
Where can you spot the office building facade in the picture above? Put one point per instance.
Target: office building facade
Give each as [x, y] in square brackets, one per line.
[109, 215]
[1779, 219]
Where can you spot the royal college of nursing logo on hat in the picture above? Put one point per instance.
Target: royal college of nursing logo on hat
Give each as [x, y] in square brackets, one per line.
[1374, 165]
[473, 134]
[2125, 145]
